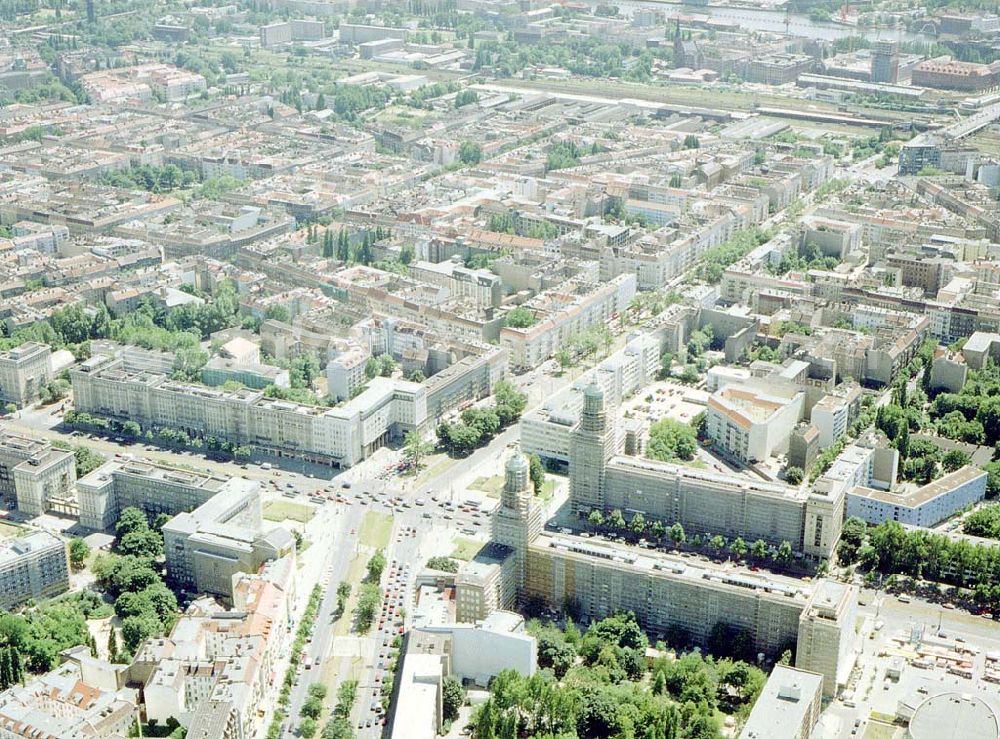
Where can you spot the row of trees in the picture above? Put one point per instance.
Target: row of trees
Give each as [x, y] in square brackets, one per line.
[717, 545]
[370, 595]
[339, 725]
[306, 625]
[891, 549]
[584, 344]
[479, 425]
[163, 435]
[154, 178]
[741, 243]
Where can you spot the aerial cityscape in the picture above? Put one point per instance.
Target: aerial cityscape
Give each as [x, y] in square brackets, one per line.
[504, 369]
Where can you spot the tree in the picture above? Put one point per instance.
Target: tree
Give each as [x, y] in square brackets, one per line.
[376, 565]
[536, 470]
[78, 553]
[112, 645]
[307, 728]
[955, 459]
[519, 317]
[469, 152]
[415, 449]
[671, 441]
[738, 547]
[386, 365]
[784, 554]
[902, 441]
[87, 460]
[758, 550]
[509, 402]
[136, 629]
[616, 520]
[595, 519]
[452, 697]
[638, 524]
[131, 520]
[794, 475]
[676, 534]
[146, 543]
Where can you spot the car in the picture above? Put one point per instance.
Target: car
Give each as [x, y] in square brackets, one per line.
[345, 485]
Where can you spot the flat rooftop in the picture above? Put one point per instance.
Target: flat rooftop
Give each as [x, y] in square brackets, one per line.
[676, 567]
[785, 701]
[927, 493]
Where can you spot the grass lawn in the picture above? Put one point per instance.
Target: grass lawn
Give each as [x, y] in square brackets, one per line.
[356, 572]
[879, 730]
[281, 510]
[492, 486]
[466, 549]
[10, 530]
[376, 528]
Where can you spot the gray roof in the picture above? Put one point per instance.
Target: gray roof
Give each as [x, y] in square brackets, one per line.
[785, 701]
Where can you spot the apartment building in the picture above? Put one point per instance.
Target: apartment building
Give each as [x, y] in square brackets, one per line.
[926, 506]
[275, 34]
[345, 369]
[38, 476]
[791, 699]
[707, 502]
[151, 487]
[206, 548]
[826, 642]
[545, 430]
[486, 584]
[216, 529]
[23, 372]
[753, 421]
[32, 567]
[563, 313]
[945, 73]
[82, 698]
[779, 69]
[214, 671]
[340, 436]
[830, 416]
[980, 348]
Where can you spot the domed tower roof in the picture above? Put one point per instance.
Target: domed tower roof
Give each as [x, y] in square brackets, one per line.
[517, 462]
[593, 399]
[517, 473]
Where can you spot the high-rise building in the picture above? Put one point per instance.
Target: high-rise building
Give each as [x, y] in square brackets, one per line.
[32, 566]
[885, 62]
[23, 372]
[519, 519]
[591, 445]
[41, 477]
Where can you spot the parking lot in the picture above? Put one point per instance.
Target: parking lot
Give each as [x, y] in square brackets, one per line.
[911, 651]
